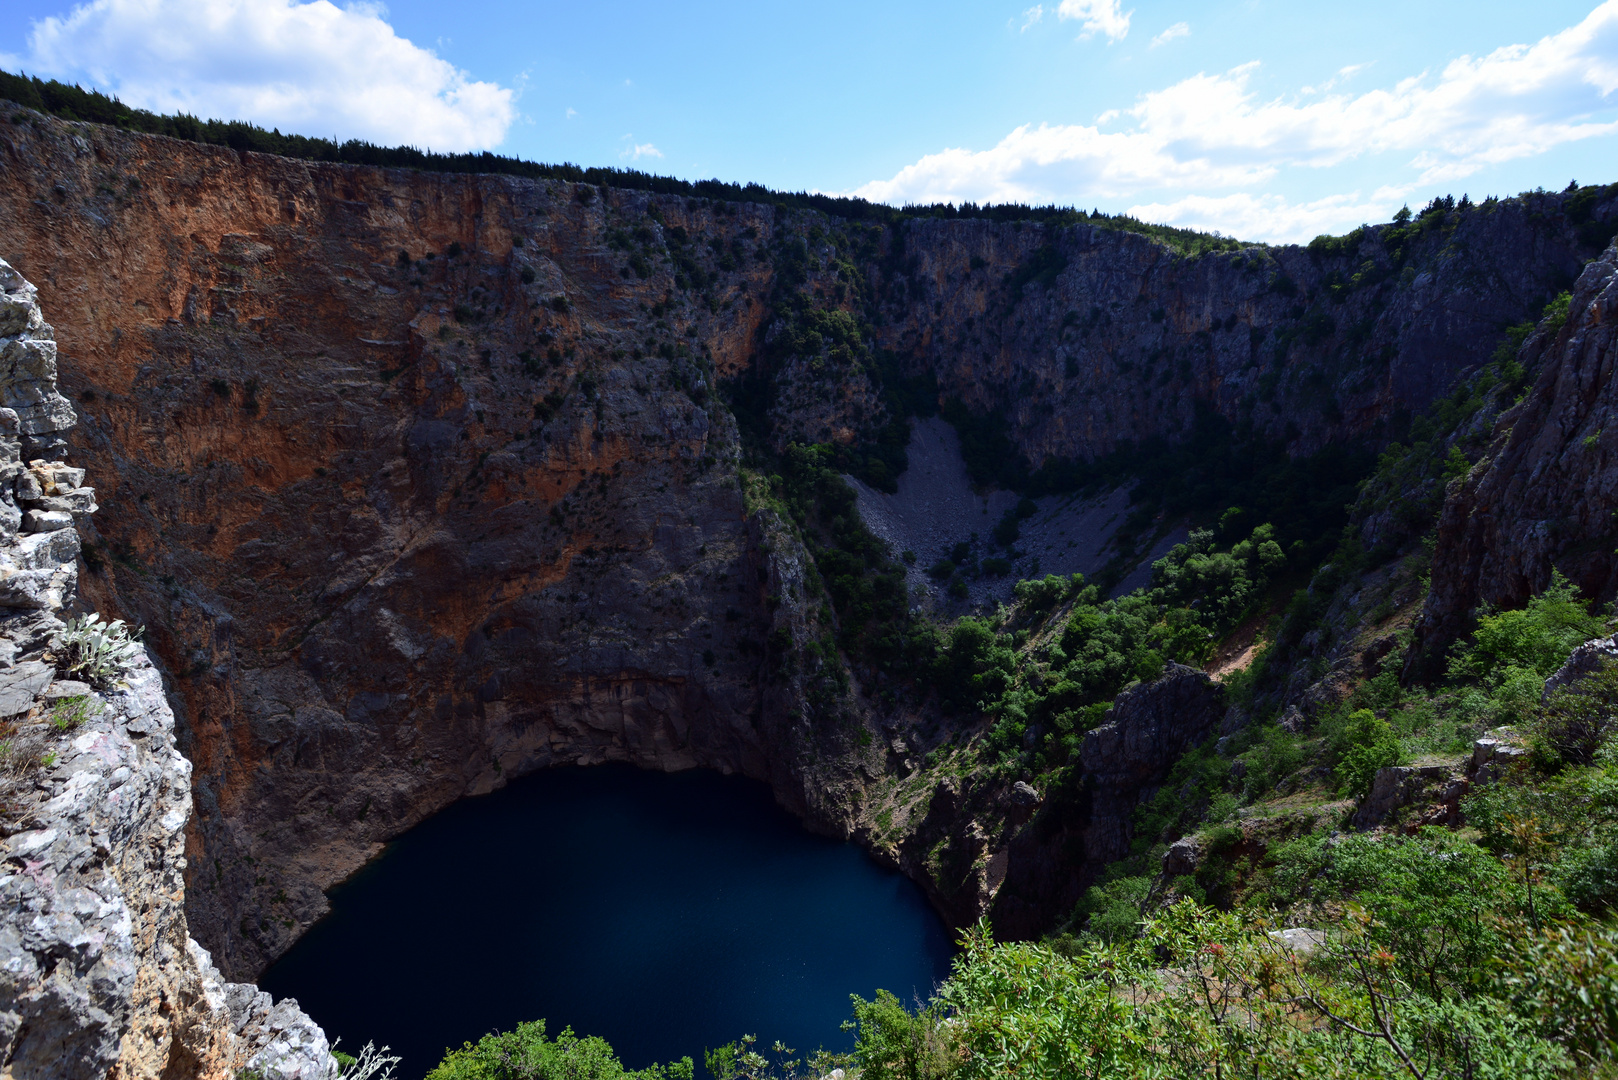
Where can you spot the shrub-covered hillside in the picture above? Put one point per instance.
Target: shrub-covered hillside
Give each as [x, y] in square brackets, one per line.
[1417, 878]
[1485, 952]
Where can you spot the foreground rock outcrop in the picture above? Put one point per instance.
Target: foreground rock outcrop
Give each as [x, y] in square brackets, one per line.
[1123, 762]
[98, 973]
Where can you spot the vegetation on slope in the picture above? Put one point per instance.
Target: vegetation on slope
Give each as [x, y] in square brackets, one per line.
[1487, 953]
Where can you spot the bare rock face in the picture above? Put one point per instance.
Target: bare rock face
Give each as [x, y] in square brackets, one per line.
[1055, 857]
[28, 368]
[1437, 789]
[1148, 729]
[1087, 338]
[1585, 660]
[1543, 499]
[418, 487]
[98, 973]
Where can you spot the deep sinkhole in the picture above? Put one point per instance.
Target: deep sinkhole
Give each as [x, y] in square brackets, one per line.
[667, 913]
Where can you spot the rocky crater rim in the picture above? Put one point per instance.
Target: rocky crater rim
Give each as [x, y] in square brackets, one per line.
[420, 482]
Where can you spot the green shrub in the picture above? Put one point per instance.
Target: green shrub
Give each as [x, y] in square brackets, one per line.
[1275, 756]
[974, 666]
[526, 1054]
[1364, 743]
[97, 652]
[1536, 637]
[1555, 314]
[69, 713]
[1566, 979]
[1589, 877]
[1042, 594]
[1112, 911]
[1572, 726]
[1223, 584]
[893, 1044]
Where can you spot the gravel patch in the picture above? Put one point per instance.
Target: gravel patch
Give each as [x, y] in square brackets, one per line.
[935, 509]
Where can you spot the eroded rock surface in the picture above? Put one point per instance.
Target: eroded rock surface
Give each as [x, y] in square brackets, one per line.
[1543, 498]
[98, 973]
[1053, 859]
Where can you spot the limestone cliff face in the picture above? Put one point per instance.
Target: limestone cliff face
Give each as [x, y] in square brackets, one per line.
[417, 486]
[1086, 338]
[98, 973]
[420, 482]
[1543, 497]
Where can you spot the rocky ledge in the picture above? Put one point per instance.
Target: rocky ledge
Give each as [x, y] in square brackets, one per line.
[99, 975]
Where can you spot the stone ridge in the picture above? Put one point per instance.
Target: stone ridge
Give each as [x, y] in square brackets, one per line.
[98, 974]
[418, 482]
[1541, 498]
[1308, 345]
[1121, 764]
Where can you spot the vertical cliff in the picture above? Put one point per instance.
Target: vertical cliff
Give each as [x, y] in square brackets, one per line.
[1086, 338]
[98, 973]
[1542, 499]
[418, 483]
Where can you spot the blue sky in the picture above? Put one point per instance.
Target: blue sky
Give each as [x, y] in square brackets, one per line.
[1262, 119]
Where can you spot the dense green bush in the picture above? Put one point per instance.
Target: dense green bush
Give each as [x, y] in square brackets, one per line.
[1221, 584]
[1535, 638]
[526, 1054]
[1435, 972]
[1362, 744]
[1042, 594]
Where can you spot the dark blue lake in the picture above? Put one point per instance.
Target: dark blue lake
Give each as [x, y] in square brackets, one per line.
[666, 913]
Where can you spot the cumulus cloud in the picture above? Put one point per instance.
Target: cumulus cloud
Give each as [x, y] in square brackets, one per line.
[1210, 133]
[640, 150]
[1269, 217]
[314, 68]
[1037, 164]
[1096, 17]
[1178, 30]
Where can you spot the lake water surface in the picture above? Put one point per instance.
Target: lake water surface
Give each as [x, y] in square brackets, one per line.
[664, 912]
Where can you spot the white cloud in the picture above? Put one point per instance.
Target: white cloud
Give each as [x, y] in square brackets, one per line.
[639, 150]
[1178, 30]
[1210, 133]
[1268, 217]
[1032, 16]
[1097, 17]
[1065, 162]
[313, 68]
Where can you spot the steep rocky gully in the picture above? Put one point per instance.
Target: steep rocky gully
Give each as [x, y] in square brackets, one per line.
[420, 482]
